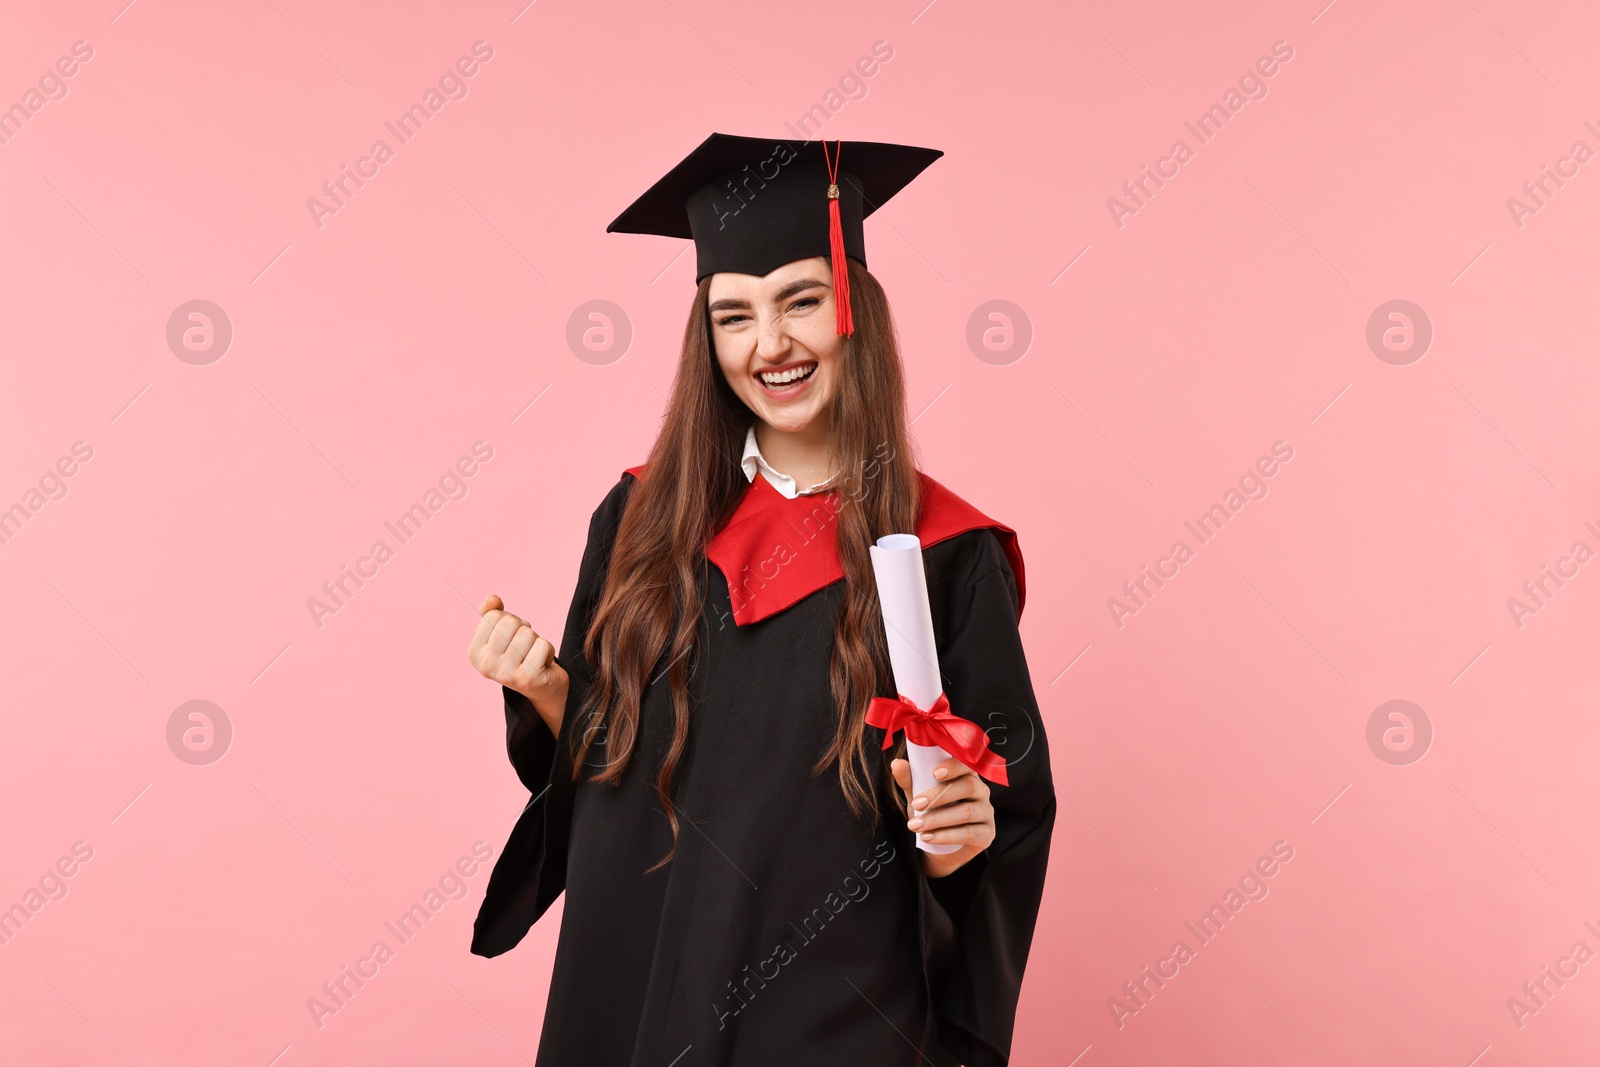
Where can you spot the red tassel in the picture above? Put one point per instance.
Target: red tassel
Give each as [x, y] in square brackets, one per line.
[843, 322]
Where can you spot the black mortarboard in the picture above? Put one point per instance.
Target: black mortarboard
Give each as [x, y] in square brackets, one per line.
[752, 204]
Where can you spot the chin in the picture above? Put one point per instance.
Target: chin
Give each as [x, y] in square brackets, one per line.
[789, 421]
[790, 425]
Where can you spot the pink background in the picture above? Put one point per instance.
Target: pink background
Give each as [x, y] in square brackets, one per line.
[1230, 312]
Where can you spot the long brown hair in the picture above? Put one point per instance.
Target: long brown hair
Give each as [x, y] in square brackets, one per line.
[654, 592]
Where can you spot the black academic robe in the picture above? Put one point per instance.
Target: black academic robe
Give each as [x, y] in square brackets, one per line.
[785, 930]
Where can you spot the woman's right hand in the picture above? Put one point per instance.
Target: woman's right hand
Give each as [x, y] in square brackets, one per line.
[507, 650]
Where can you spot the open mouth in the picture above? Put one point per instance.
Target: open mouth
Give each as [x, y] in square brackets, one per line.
[788, 379]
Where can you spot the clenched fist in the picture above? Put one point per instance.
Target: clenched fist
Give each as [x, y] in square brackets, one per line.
[507, 650]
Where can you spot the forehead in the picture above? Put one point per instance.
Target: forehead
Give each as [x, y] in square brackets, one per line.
[751, 286]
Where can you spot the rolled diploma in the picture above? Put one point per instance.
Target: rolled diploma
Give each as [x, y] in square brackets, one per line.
[908, 625]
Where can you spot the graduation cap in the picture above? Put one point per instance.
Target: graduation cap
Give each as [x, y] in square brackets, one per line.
[752, 204]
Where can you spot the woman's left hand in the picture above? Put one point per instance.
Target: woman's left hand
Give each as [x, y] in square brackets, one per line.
[954, 810]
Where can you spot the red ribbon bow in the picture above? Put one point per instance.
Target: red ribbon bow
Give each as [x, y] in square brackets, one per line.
[938, 725]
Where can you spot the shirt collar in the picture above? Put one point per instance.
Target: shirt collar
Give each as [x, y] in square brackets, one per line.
[753, 461]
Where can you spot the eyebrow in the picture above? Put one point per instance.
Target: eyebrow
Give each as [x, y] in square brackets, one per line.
[731, 304]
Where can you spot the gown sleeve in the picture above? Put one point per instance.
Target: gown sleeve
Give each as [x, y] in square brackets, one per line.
[532, 869]
[978, 922]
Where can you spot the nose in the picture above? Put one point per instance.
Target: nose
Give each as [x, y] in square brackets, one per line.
[772, 340]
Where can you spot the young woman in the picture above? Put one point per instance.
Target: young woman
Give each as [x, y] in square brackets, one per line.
[738, 850]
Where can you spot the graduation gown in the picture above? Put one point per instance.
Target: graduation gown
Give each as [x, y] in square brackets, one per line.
[785, 930]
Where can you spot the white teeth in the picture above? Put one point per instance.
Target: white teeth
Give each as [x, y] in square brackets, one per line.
[780, 378]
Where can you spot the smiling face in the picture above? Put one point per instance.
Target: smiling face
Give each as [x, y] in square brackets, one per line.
[776, 342]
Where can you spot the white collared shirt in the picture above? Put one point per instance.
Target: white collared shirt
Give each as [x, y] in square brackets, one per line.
[753, 461]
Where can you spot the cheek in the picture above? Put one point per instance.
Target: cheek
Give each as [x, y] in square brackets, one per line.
[820, 339]
[830, 382]
[828, 355]
[821, 335]
[727, 361]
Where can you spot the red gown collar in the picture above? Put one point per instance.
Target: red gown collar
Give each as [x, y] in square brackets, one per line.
[776, 551]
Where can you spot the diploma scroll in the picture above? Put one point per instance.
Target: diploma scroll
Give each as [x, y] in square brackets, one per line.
[908, 625]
